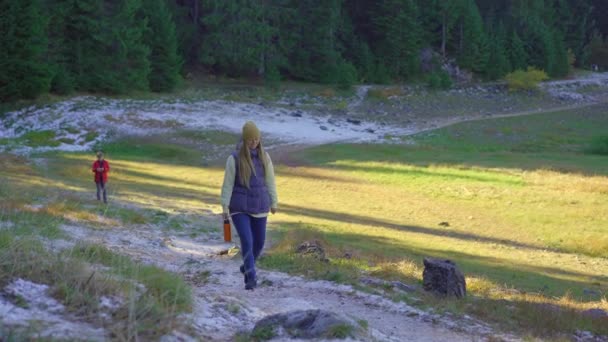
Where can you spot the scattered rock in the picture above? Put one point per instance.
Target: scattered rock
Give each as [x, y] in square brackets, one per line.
[307, 324]
[595, 313]
[397, 285]
[591, 292]
[444, 224]
[569, 96]
[549, 307]
[353, 121]
[165, 242]
[443, 277]
[323, 128]
[372, 281]
[313, 248]
[369, 130]
[586, 336]
[297, 114]
[403, 286]
[266, 283]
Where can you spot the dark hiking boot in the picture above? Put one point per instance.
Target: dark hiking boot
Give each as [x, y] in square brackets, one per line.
[251, 284]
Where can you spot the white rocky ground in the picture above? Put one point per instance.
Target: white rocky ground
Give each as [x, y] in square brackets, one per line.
[74, 118]
[40, 313]
[83, 121]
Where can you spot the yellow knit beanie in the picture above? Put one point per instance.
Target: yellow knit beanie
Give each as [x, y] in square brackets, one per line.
[251, 131]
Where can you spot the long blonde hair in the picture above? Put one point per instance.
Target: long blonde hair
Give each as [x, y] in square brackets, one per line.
[246, 167]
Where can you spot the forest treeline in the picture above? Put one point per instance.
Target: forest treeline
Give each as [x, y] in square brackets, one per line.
[115, 46]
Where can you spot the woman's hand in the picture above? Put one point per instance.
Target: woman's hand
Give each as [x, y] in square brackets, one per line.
[225, 216]
[273, 210]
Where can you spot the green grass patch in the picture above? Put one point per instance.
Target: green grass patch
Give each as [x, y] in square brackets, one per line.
[90, 136]
[211, 137]
[80, 285]
[72, 130]
[40, 138]
[126, 215]
[262, 334]
[132, 150]
[171, 292]
[72, 281]
[340, 331]
[599, 145]
[68, 141]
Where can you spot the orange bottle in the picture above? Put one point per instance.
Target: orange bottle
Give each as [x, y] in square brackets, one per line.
[227, 233]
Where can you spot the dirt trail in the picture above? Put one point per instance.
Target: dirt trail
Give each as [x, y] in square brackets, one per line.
[446, 122]
[223, 308]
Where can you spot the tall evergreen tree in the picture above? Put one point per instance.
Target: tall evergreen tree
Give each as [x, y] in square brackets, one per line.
[575, 22]
[498, 63]
[24, 72]
[161, 38]
[539, 44]
[517, 53]
[472, 40]
[243, 36]
[235, 32]
[187, 17]
[78, 53]
[400, 38]
[63, 80]
[561, 65]
[105, 50]
[316, 51]
[124, 61]
[437, 19]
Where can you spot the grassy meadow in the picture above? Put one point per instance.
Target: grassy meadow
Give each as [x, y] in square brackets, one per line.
[520, 204]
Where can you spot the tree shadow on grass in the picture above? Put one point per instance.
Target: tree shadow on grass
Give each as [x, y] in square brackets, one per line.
[370, 221]
[459, 174]
[525, 278]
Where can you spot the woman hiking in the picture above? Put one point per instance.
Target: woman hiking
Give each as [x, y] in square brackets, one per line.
[100, 168]
[249, 192]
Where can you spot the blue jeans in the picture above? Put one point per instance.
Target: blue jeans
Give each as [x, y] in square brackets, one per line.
[101, 187]
[252, 232]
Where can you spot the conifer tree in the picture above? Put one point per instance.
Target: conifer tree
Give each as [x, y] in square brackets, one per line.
[124, 61]
[24, 72]
[517, 53]
[400, 39]
[316, 50]
[473, 42]
[161, 38]
[498, 63]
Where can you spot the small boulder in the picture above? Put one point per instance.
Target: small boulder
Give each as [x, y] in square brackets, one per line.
[312, 248]
[443, 277]
[595, 313]
[307, 324]
[353, 121]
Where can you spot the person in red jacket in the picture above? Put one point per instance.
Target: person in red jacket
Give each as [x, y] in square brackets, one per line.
[100, 168]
